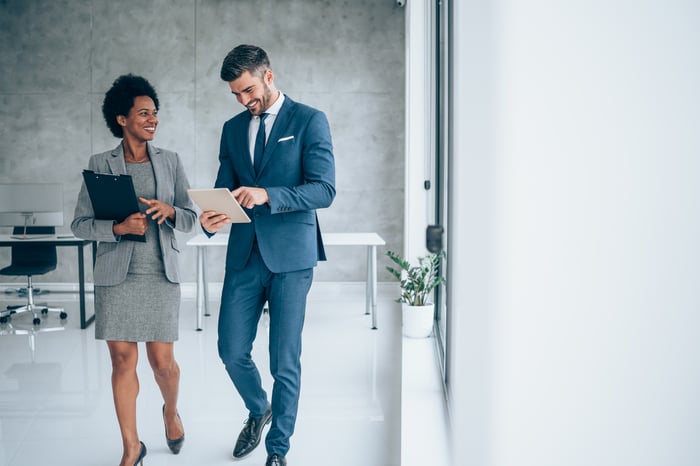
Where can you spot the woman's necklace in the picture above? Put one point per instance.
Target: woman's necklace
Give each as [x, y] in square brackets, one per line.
[131, 158]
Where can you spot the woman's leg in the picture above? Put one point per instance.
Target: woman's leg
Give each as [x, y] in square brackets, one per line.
[167, 374]
[125, 389]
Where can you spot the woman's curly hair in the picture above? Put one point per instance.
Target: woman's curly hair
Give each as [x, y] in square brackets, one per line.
[120, 98]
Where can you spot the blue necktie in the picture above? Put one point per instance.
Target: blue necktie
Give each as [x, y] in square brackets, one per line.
[259, 143]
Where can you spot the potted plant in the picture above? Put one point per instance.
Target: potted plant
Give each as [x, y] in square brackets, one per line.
[417, 283]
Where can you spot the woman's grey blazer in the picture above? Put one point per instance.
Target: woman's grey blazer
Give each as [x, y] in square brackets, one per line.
[113, 256]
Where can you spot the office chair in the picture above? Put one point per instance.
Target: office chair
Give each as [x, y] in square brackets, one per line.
[31, 259]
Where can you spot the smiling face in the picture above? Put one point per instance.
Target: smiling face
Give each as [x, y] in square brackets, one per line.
[255, 93]
[141, 122]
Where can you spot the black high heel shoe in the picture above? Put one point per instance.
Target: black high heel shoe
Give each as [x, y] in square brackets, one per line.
[174, 445]
[142, 454]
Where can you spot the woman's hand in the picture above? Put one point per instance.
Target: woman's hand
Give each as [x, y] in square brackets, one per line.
[134, 224]
[158, 210]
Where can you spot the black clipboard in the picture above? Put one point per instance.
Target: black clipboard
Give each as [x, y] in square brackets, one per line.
[113, 198]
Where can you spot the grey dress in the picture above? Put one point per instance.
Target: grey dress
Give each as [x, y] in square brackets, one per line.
[145, 306]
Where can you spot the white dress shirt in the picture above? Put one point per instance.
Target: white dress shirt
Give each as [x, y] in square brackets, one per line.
[269, 121]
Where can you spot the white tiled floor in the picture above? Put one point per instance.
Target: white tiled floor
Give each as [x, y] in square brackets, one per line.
[56, 407]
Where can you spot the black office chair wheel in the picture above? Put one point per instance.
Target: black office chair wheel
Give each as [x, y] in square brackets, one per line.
[3, 320]
[45, 310]
[36, 321]
[63, 315]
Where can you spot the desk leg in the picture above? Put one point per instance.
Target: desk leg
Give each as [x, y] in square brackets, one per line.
[81, 282]
[200, 286]
[205, 282]
[368, 283]
[373, 281]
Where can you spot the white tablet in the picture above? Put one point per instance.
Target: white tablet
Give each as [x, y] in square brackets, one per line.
[221, 200]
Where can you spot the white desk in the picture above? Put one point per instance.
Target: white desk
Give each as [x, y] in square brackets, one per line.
[370, 240]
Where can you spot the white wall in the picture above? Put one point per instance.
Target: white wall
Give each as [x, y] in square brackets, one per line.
[418, 124]
[58, 57]
[577, 210]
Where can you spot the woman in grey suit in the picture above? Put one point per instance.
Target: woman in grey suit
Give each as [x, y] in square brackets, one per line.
[137, 290]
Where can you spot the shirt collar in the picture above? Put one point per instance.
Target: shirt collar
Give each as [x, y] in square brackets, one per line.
[275, 108]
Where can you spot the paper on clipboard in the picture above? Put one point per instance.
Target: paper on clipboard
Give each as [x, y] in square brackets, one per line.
[221, 200]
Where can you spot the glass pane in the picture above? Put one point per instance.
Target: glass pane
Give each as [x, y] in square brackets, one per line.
[441, 144]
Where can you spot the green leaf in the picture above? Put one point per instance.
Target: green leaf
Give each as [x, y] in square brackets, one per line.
[416, 282]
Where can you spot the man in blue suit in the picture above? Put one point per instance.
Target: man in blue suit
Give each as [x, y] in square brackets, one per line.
[277, 159]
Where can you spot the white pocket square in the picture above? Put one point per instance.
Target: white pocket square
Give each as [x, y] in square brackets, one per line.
[286, 138]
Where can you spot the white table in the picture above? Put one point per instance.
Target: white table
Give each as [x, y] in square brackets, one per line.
[370, 240]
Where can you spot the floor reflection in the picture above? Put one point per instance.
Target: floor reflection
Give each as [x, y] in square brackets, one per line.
[59, 399]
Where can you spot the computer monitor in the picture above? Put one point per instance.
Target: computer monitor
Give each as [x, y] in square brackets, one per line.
[31, 204]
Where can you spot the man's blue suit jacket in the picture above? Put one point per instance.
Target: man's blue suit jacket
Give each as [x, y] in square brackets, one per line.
[298, 172]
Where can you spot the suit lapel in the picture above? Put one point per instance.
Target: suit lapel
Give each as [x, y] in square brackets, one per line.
[241, 141]
[284, 118]
[117, 165]
[157, 163]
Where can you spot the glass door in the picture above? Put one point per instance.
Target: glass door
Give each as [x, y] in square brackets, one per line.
[441, 143]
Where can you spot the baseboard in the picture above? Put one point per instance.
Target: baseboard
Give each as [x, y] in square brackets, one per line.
[53, 287]
[318, 289]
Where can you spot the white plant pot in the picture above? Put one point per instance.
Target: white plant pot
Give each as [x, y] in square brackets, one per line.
[417, 321]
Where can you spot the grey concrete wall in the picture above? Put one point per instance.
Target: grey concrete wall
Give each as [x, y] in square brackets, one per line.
[58, 57]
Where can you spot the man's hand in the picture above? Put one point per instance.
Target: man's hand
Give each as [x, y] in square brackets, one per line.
[212, 221]
[250, 197]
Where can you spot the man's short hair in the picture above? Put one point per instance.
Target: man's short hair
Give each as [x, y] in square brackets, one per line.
[242, 58]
